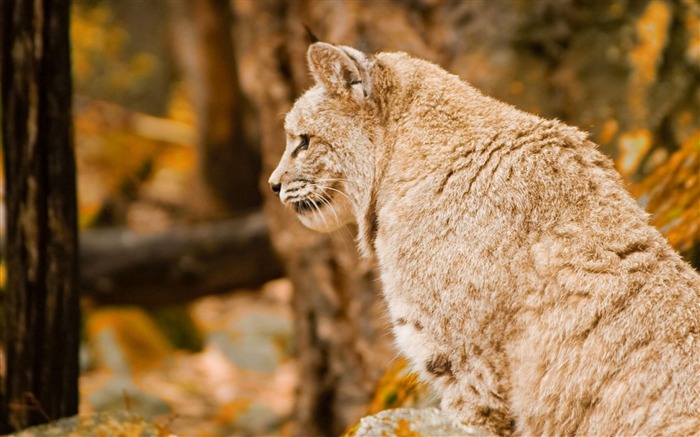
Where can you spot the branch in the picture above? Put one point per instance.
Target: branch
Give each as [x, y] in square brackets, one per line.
[121, 267]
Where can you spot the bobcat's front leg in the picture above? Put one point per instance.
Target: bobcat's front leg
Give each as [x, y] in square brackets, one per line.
[488, 411]
[469, 380]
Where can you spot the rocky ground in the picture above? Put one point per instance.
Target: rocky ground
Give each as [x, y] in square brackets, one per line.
[241, 382]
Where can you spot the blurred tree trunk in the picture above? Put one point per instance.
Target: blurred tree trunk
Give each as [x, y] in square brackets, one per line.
[342, 341]
[230, 167]
[42, 310]
[600, 66]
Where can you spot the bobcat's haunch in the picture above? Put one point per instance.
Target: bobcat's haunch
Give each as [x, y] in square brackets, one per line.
[522, 280]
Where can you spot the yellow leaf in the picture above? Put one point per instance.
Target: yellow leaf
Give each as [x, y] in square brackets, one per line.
[633, 148]
[140, 342]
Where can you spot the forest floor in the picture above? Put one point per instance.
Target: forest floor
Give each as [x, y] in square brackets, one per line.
[241, 382]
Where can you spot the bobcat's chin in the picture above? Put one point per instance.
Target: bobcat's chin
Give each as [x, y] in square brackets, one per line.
[325, 215]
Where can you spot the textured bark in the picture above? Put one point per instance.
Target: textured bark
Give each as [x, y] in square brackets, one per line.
[229, 166]
[42, 294]
[178, 265]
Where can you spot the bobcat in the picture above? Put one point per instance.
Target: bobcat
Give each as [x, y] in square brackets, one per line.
[522, 280]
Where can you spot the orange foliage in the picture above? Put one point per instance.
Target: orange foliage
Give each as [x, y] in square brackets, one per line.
[140, 343]
[230, 410]
[99, 55]
[403, 429]
[116, 147]
[692, 24]
[645, 59]
[397, 388]
[672, 195]
[609, 130]
[652, 32]
[633, 148]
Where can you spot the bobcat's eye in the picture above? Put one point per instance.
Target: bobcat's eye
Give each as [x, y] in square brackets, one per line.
[303, 145]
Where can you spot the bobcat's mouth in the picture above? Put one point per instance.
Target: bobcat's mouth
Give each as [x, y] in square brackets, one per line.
[306, 205]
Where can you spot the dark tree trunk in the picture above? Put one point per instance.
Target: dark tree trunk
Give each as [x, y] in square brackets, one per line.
[229, 166]
[42, 310]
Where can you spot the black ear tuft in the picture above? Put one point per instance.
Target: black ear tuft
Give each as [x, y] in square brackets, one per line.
[310, 34]
[341, 70]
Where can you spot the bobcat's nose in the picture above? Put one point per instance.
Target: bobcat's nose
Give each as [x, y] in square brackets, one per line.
[276, 187]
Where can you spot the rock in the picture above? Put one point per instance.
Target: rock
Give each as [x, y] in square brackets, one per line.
[121, 392]
[113, 423]
[256, 341]
[126, 340]
[255, 420]
[247, 352]
[413, 422]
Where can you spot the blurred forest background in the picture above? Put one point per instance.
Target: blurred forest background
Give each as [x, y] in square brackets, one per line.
[205, 305]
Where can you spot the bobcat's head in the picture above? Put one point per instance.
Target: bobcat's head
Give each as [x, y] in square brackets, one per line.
[326, 171]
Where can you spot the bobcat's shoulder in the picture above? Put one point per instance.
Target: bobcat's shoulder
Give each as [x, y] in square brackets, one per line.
[521, 278]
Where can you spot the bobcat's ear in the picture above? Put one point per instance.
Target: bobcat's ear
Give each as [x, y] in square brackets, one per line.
[342, 70]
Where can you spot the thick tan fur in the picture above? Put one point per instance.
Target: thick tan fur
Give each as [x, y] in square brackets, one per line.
[522, 280]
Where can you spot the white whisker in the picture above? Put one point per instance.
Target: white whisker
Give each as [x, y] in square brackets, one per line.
[327, 202]
[339, 192]
[320, 214]
[345, 230]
